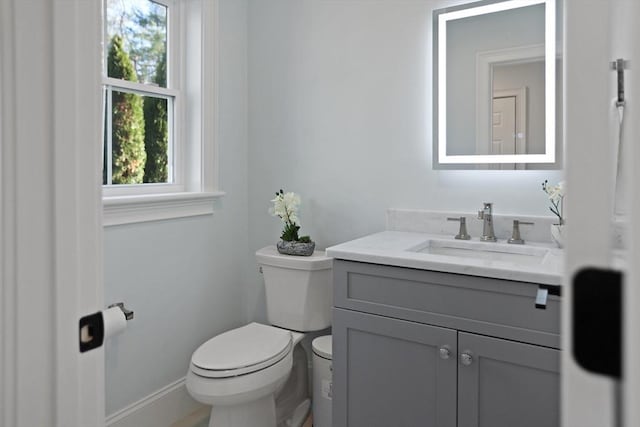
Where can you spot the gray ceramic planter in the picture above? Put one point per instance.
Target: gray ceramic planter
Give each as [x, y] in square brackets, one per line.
[296, 248]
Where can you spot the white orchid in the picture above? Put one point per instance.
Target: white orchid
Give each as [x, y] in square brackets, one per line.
[556, 195]
[285, 207]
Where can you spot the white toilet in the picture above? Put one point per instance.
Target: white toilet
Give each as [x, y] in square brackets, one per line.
[256, 375]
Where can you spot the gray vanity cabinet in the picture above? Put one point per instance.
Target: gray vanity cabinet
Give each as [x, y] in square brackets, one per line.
[503, 383]
[396, 373]
[415, 348]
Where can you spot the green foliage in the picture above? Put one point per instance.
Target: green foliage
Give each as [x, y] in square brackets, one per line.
[156, 131]
[138, 52]
[304, 239]
[148, 44]
[127, 136]
[144, 33]
[290, 232]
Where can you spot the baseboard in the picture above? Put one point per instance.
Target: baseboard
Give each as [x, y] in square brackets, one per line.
[160, 409]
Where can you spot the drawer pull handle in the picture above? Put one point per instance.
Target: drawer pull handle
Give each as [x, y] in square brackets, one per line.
[466, 358]
[445, 353]
[541, 298]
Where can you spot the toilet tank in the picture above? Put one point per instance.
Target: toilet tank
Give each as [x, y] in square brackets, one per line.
[299, 289]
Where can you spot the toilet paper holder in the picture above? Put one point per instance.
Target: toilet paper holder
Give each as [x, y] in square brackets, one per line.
[128, 314]
[94, 328]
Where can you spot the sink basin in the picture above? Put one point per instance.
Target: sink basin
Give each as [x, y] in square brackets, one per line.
[501, 252]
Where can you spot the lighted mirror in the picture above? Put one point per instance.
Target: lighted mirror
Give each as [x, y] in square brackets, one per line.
[495, 74]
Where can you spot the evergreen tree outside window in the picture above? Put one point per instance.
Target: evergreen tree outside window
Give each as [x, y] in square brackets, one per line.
[139, 99]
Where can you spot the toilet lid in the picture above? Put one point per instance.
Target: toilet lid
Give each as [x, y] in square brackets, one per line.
[241, 351]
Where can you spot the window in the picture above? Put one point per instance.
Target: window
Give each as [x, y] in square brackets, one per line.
[140, 99]
[150, 152]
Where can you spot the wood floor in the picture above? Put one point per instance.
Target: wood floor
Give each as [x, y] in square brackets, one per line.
[200, 418]
[309, 422]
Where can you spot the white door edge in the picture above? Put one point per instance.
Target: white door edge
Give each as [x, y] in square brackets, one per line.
[631, 369]
[587, 399]
[78, 207]
[50, 212]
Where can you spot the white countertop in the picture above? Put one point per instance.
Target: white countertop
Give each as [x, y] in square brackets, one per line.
[398, 248]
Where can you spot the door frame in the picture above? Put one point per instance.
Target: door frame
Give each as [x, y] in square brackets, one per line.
[50, 212]
[587, 399]
[625, 17]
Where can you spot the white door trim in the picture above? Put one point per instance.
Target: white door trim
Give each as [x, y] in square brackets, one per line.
[51, 212]
[586, 398]
[7, 220]
[77, 207]
[627, 15]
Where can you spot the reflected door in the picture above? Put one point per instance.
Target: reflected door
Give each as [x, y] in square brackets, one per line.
[504, 126]
[504, 129]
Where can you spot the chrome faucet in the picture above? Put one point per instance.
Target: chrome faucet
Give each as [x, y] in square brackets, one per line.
[486, 215]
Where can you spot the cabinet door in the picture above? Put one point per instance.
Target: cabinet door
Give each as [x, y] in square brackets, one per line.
[392, 373]
[506, 383]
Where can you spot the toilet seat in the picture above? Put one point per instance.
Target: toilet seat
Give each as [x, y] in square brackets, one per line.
[241, 351]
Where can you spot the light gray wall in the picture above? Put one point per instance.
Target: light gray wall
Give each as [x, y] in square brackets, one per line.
[185, 279]
[340, 98]
[339, 110]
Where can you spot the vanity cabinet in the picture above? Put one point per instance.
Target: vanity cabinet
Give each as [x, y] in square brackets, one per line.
[422, 348]
[503, 383]
[390, 373]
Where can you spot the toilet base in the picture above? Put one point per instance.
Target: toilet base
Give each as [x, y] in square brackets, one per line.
[261, 412]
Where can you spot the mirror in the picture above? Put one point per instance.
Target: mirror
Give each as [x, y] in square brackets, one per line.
[495, 71]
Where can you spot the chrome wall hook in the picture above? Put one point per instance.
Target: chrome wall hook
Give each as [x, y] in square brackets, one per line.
[619, 65]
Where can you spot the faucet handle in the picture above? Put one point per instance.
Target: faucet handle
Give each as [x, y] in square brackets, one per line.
[462, 233]
[515, 234]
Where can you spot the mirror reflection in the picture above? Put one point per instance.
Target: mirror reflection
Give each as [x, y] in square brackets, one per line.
[495, 105]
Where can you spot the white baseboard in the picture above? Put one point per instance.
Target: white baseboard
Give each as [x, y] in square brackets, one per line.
[160, 409]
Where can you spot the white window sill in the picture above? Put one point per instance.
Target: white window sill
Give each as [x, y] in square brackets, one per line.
[120, 210]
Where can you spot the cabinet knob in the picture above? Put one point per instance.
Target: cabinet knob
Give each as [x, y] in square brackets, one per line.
[445, 353]
[466, 358]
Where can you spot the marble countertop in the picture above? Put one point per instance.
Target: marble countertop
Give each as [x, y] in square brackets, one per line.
[402, 249]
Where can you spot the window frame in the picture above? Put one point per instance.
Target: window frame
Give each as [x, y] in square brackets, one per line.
[172, 96]
[171, 92]
[192, 59]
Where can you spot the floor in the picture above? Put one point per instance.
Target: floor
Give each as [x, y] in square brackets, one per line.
[200, 418]
[309, 422]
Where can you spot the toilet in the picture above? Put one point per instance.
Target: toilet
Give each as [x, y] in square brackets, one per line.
[257, 375]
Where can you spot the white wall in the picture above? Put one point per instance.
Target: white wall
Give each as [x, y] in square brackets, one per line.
[185, 278]
[340, 98]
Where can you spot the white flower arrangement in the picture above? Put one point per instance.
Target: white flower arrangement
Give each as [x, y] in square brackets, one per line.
[285, 207]
[556, 195]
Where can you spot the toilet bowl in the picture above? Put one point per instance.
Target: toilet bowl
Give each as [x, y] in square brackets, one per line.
[256, 375]
[240, 372]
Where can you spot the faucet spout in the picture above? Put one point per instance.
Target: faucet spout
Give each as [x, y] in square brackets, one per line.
[486, 214]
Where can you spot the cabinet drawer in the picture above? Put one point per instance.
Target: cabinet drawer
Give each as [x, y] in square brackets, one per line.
[486, 306]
